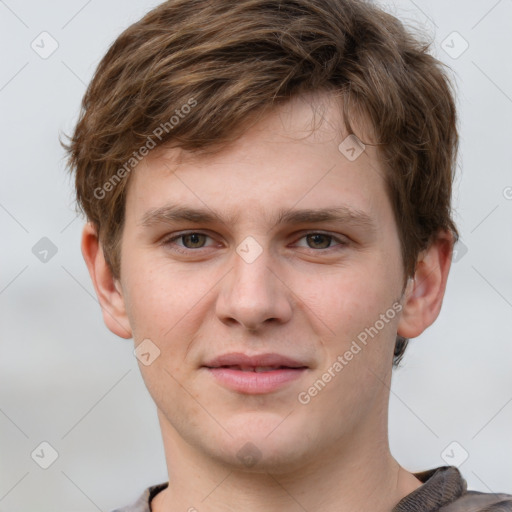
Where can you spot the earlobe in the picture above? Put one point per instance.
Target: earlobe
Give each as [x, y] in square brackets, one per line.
[108, 289]
[424, 293]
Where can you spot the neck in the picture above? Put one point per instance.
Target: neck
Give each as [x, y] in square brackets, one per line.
[357, 476]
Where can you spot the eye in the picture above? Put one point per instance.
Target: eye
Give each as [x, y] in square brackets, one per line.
[321, 241]
[190, 240]
[193, 240]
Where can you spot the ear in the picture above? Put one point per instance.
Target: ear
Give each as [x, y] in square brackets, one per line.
[424, 294]
[108, 289]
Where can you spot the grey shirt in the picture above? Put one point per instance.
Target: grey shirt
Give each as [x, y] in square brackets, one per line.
[443, 490]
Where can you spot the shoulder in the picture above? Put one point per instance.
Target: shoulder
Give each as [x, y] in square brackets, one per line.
[143, 502]
[445, 490]
[454, 496]
[473, 501]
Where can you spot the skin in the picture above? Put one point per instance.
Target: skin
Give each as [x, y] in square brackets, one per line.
[305, 297]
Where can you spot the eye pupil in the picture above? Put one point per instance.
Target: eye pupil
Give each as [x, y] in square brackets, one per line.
[317, 239]
[195, 239]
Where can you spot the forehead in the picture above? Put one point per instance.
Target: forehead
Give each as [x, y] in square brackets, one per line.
[290, 157]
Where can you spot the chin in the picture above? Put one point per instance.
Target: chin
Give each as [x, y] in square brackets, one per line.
[264, 445]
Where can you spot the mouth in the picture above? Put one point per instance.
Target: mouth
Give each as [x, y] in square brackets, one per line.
[258, 369]
[260, 374]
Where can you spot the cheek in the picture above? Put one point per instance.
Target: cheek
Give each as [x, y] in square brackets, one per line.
[154, 302]
[353, 298]
[359, 313]
[168, 306]
[161, 308]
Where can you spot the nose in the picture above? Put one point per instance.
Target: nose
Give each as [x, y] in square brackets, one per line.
[253, 295]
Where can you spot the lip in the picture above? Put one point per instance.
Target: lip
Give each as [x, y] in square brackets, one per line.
[227, 371]
[241, 359]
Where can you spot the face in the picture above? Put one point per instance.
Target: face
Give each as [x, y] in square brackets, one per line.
[268, 276]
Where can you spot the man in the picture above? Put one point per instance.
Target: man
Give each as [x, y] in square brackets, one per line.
[268, 187]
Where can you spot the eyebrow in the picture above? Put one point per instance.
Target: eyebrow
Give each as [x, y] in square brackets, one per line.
[342, 214]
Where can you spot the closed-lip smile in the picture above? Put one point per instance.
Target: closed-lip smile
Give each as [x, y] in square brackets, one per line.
[254, 374]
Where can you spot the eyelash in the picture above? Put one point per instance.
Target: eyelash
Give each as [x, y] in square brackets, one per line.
[170, 241]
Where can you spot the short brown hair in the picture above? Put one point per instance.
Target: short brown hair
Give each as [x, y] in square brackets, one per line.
[228, 61]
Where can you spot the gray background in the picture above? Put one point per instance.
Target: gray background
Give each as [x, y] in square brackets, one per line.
[66, 380]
